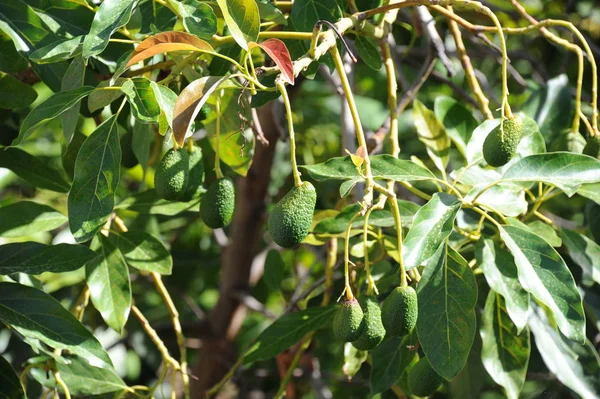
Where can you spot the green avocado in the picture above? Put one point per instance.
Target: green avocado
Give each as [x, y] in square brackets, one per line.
[172, 175]
[128, 158]
[592, 147]
[196, 172]
[399, 311]
[500, 145]
[422, 379]
[348, 321]
[290, 221]
[218, 203]
[373, 332]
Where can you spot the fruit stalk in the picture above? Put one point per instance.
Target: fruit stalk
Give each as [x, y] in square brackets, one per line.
[348, 289]
[218, 171]
[288, 113]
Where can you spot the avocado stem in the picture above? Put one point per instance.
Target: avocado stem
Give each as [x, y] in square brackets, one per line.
[348, 289]
[218, 171]
[289, 116]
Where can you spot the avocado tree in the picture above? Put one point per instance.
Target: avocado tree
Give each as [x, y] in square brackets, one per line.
[308, 198]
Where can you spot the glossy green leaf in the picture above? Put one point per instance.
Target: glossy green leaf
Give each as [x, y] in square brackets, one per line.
[353, 360]
[14, 93]
[73, 79]
[140, 95]
[505, 352]
[565, 170]
[198, 18]
[574, 365]
[25, 218]
[33, 170]
[270, 12]
[432, 133]
[475, 144]
[447, 322]
[368, 52]
[545, 231]
[147, 202]
[305, 13]
[37, 315]
[390, 359]
[85, 380]
[36, 258]
[107, 277]
[242, 19]
[585, 252]
[110, 16]
[97, 169]
[274, 270]
[10, 60]
[104, 94]
[501, 273]
[288, 330]
[507, 198]
[61, 50]
[457, 120]
[166, 99]
[50, 109]
[10, 385]
[590, 191]
[544, 274]
[432, 224]
[143, 251]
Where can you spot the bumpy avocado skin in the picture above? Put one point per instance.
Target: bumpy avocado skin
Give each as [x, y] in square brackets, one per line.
[500, 145]
[422, 379]
[373, 332]
[218, 203]
[592, 147]
[194, 188]
[290, 221]
[399, 311]
[172, 175]
[348, 321]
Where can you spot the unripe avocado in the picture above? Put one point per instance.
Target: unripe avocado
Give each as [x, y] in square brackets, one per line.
[592, 147]
[290, 221]
[172, 175]
[196, 173]
[128, 158]
[422, 379]
[348, 321]
[500, 145]
[373, 332]
[218, 203]
[399, 311]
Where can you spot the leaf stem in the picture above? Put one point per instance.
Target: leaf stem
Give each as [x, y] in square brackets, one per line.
[218, 171]
[290, 120]
[61, 384]
[155, 338]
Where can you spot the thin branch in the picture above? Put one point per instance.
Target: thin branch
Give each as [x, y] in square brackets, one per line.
[434, 38]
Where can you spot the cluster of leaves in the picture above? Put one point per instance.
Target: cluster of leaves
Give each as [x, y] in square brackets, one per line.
[497, 270]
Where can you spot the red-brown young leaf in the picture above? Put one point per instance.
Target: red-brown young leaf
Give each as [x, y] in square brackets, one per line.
[279, 53]
[166, 42]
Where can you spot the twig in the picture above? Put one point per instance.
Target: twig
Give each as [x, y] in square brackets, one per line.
[434, 38]
[154, 337]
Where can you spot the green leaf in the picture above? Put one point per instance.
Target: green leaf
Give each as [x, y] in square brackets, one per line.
[432, 133]
[270, 12]
[50, 109]
[35, 314]
[110, 16]
[33, 170]
[61, 50]
[166, 99]
[72, 79]
[457, 120]
[390, 359]
[353, 360]
[585, 252]
[147, 202]
[104, 94]
[384, 167]
[10, 60]
[242, 19]
[140, 95]
[25, 218]
[545, 231]
[544, 274]
[198, 18]
[501, 273]
[368, 52]
[446, 325]
[143, 251]
[97, 169]
[475, 144]
[85, 380]
[574, 365]
[505, 352]
[590, 191]
[305, 13]
[565, 170]
[14, 93]
[107, 277]
[507, 198]
[432, 224]
[288, 330]
[36, 258]
[10, 385]
[274, 270]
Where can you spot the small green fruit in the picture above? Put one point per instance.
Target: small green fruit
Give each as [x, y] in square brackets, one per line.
[218, 203]
[172, 175]
[128, 158]
[422, 379]
[290, 221]
[196, 172]
[373, 332]
[500, 145]
[348, 321]
[399, 311]
[592, 147]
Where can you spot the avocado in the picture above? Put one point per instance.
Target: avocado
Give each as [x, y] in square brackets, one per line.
[128, 158]
[592, 147]
[218, 203]
[196, 173]
[373, 332]
[399, 311]
[290, 221]
[422, 379]
[172, 175]
[348, 321]
[500, 145]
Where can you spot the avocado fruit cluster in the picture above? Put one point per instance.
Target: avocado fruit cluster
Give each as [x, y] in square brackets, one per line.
[179, 174]
[399, 311]
[373, 331]
[290, 220]
[501, 143]
[422, 379]
[218, 203]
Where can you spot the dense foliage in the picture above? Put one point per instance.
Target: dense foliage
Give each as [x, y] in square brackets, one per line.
[308, 198]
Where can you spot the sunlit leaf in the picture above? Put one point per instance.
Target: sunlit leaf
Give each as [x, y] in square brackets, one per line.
[279, 53]
[242, 19]
[585, 252]
[198, 18]
[25, 217]
[110, 16]
[33, 170]
[166, 42]
[36, 258]
[143, 251]
[62, 50]
[457, 120]
[432, 134]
